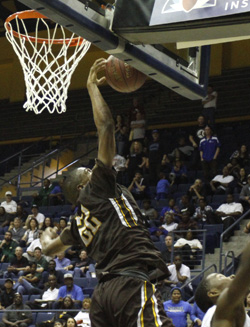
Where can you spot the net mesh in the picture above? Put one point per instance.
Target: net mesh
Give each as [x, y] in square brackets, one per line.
[47, 67]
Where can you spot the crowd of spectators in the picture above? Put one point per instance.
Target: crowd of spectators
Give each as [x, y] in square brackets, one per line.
[174, 183]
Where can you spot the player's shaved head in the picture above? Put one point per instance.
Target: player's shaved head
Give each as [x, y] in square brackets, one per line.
[74, 182]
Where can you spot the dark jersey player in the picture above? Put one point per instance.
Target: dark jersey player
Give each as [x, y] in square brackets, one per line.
[109, 225]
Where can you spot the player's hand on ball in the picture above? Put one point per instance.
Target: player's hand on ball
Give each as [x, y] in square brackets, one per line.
[48, 235]
[98, 66]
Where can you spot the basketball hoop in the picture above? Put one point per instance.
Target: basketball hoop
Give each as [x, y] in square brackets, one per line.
[46, 62]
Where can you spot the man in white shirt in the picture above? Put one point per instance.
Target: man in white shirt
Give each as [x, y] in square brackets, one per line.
[30, 252]
[229, 212]
[180, 275]
[209, 105]
[222, 298]
[9, 205]
[48, 297]
[220, 183]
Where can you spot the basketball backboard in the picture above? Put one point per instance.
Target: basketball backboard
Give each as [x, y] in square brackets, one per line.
[185, 72]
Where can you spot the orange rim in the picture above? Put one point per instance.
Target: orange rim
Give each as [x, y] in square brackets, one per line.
[29, 14]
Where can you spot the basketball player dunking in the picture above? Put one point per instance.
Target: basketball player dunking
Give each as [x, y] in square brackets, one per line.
[223, 297]
[109, 225]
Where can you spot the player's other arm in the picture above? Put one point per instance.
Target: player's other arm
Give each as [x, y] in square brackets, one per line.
[102, 116]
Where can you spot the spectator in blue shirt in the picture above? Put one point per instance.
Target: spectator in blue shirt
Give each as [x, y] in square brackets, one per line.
[162, 187]
[196, 311]
[62, 263]
[209, 151]
[179, 173]
[56, 196]
[70, 289]
[177, 310]
[172, 208]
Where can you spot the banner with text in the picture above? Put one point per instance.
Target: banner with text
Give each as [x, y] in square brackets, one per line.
[174, 11]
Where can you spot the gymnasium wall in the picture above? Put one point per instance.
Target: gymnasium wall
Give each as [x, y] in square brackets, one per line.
[224, 56]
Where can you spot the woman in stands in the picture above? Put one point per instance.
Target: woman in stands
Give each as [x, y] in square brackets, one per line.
[31, 233]
[136, 160]
[241, 155]
[58, 323]
[82, 318]
[47, 223]
[63, 222]
[71, 322]
[178, 310]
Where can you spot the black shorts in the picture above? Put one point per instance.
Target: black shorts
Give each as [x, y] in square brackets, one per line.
[126, 301]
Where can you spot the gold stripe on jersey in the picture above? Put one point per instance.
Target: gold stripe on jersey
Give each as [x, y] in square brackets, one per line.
[130, 209]
[120, 213]
[124, 211]
[140, 319]
[155, 310]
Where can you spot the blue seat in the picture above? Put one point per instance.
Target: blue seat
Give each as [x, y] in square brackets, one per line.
[4, 266]
[25, 298]
[81, 281]
[183, 187]
[44, 316]
[219, 198]
[93, 282]
[33, 297]
[88, 292]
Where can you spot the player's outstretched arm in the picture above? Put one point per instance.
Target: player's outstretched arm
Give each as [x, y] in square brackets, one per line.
[233, 296]
[102, 116]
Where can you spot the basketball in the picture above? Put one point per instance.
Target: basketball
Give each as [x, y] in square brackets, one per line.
[123, 77]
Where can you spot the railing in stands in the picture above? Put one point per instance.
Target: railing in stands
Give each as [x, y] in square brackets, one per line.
[245, 215]
[41, 161]
[202, 237]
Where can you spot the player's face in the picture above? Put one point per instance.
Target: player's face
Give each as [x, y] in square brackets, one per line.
[219, 281]
[85, 177]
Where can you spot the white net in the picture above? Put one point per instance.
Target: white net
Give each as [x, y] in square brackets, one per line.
[47, 66]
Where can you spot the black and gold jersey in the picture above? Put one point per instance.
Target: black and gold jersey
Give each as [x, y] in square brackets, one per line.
[109, 224]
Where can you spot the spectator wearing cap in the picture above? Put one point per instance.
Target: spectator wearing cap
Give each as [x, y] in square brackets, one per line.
[7, 247]
[15, 317]
[9, 205]
[37, 215]
[70, 289]
[42, 198]
[7, 295]
[155, 155]
[245, 194]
